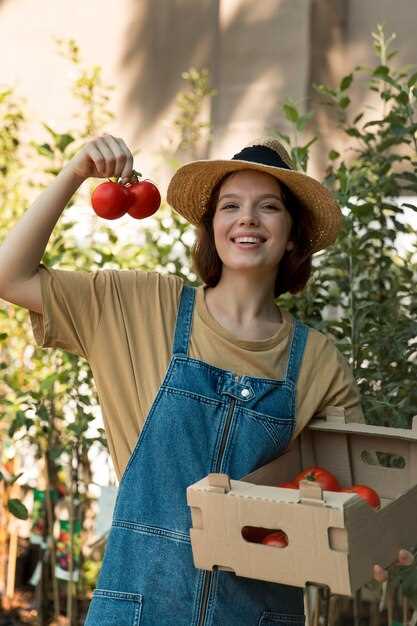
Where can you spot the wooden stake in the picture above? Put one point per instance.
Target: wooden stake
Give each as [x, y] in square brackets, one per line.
[404, 606]
[390, 604]
[11, 565]
[70, 585]
[3, 537]
[356, 607]
[51, 539]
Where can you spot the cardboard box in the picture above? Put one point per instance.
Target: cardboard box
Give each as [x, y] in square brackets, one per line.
[333, 538]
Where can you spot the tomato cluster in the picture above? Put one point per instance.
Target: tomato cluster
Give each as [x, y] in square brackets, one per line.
[139, 198]
[328, 482]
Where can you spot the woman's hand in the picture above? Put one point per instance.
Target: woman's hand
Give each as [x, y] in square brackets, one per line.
[103, 157]
[404, 558]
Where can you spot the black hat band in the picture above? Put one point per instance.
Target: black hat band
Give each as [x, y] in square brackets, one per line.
[262, 155]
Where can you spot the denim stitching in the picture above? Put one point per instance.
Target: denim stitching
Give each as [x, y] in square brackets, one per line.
[277, 382]
[119, 595]
[271, 431]
[138, 613]
[298, 342]
[213, 595]
[183, 322]
[197, 595]
[174, 391]
[228, 447]
[214, 458]
[152, 530]
[265, 416]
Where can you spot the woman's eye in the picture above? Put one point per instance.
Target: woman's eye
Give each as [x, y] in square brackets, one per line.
[229, 206]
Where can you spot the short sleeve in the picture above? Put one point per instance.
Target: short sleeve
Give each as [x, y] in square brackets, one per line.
[341, 390]
[72, 302]
[326, 384]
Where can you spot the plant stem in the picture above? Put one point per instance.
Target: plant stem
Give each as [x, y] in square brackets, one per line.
[70, 586]
[49, 511]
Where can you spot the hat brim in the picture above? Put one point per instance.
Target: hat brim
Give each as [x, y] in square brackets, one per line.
[191, 186]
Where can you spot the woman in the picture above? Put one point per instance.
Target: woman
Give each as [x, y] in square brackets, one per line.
[191, 381]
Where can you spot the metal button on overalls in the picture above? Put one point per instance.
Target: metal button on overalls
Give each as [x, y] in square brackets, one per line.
[204, 419]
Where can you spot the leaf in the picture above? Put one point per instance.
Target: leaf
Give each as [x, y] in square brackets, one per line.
[3, 336]
[43, 149]
[291, 112]
[50, 130]
[64, 141]
[344, 102]
[48, 383]
[412, 80]
[403, 98]
[18, 509]
[352, 132]
[375, 123]
[17, 423]
[346, 82]
[381, 71]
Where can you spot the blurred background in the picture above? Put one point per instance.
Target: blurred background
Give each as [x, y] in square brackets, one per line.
[257, 54]
[181, 80]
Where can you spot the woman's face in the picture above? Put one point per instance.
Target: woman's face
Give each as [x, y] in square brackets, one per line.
[250, 205]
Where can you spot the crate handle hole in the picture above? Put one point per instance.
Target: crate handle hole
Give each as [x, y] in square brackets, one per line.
[384, 459]
[258, 534]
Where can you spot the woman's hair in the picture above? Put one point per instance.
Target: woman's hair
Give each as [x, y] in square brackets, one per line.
[295, 266]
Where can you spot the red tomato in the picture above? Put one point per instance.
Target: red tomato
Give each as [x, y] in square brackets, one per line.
[145, 199]
[278, 539]
[254, 534]
[291, 484]
[366, 493]
[110, 200]
[325, 479]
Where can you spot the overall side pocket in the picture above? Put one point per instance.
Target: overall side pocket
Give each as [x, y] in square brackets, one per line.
[114, 608]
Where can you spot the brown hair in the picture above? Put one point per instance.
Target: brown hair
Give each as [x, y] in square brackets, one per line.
[295, 266]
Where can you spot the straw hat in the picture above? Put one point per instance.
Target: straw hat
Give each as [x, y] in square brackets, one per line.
[191, 186]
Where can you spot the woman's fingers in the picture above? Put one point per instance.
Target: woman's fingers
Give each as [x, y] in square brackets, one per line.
[105, 147]
[97, 157]
[380, 574]
[120, 152]
[405, 557]
[104, 157]
[128, 167]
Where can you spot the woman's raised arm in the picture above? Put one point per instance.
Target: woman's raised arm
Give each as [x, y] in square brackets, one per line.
[24, 246]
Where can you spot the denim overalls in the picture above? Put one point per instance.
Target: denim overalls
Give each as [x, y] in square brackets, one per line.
[204, 419]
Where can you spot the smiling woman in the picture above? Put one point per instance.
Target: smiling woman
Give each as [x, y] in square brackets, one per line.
[191, 380]
[294, 267]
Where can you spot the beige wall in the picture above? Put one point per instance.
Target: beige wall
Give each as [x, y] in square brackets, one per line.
[258, 52]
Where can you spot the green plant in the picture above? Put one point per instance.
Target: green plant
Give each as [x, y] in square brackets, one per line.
[363, 290]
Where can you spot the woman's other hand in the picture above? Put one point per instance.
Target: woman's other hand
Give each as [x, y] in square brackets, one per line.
[404, 558]
[103, 157]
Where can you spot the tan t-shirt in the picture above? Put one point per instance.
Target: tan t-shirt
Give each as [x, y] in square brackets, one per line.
[123, 321]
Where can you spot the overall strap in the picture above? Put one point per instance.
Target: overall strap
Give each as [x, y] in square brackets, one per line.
[184, 321]
[298, 343]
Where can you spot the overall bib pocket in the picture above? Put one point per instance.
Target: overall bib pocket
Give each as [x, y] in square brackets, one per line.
[272, 618]
[115, 608]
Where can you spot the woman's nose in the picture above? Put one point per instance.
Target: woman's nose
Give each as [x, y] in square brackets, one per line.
[248, 217]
